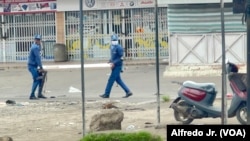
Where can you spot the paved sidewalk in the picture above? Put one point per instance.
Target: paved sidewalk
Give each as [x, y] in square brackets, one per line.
[77, 64]
[170, 71]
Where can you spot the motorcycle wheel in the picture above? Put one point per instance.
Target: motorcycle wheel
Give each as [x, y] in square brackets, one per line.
[241, 114]
[184, 119]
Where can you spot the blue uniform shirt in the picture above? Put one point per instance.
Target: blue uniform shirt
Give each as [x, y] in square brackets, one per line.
[116, 55]
[34, 56]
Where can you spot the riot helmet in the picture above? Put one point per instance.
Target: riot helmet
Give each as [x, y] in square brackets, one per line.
[114, 37]
[38, 37]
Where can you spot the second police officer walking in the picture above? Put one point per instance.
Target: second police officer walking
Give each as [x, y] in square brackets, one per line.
[116, 64]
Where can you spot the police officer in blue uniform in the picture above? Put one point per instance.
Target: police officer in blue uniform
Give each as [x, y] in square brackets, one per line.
[116, 63]
[35, 67]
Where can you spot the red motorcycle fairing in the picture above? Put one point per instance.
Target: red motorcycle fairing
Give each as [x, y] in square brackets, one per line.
[194, 94]
[237, 91]
[238, 83]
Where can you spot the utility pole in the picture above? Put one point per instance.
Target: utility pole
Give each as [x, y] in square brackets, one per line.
[248, 60]
[82, 65]
[224, 85]
[157, 61]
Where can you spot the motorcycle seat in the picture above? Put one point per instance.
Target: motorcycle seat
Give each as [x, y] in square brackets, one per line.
[208, 87]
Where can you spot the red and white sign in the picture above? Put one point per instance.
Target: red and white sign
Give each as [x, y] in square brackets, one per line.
[147, 2]
[24, 1]
[24, 6]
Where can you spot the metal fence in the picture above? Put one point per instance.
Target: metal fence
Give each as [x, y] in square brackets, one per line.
[17, 35]
[135, 27]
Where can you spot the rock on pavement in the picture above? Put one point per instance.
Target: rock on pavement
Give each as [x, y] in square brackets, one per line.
[108, 119]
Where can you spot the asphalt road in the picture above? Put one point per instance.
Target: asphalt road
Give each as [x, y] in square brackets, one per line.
[65, 85]
[15, 84]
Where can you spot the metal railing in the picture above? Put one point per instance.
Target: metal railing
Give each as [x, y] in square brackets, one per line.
[19, 31]
[135, 27]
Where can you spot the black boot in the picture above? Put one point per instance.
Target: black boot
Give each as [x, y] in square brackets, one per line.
[40, 94]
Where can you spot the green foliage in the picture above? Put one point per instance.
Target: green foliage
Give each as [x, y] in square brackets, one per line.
[166, 98]
[135, 136]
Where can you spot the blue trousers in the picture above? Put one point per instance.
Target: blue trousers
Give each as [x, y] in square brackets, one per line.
[115, 76]
[36, 82]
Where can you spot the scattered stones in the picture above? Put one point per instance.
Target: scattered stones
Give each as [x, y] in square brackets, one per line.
[10, 102]
[134, 109]
[160, 126]
[73, 103]
[130, 128]
[148, 125]
[6, 138]
[109, 105]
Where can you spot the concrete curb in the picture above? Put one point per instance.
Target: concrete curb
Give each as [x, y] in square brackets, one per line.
[75, 64]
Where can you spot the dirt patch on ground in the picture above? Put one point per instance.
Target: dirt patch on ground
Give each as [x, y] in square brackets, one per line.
[62, 120]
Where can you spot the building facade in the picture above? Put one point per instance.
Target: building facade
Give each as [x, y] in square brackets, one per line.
[194, 29]
[58, 22]
[189, 30]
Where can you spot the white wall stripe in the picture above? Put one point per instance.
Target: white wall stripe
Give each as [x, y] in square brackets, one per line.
[100, 65]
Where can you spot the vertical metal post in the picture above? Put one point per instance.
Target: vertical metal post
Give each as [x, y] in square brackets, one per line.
[3, 38]
[123, 28]
[82, 66]
[157, 60]
[224, 98]
[248, 61]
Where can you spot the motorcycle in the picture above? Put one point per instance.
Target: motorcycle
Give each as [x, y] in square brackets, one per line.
[195, 100]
